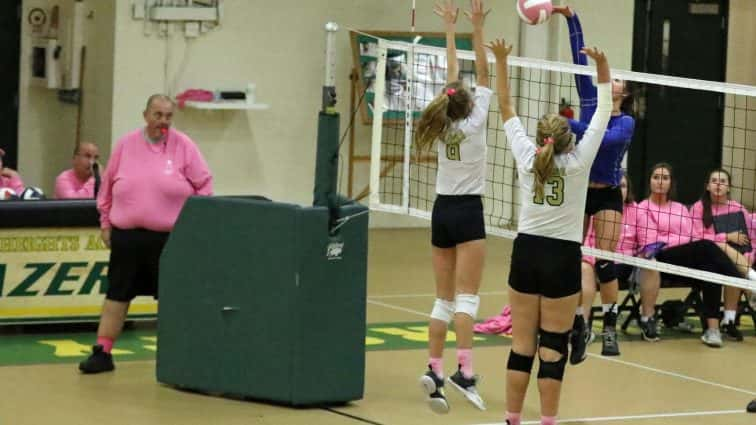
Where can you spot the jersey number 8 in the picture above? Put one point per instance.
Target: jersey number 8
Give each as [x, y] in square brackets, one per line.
[452, 152]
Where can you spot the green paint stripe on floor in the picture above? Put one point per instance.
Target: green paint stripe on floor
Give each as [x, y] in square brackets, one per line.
[141, 344]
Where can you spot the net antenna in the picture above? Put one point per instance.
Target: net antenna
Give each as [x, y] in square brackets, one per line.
[412, 16]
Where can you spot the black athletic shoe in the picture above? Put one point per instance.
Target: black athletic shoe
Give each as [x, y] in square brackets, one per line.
[466, 386]
[433, 388]
[98, 361]
[578, 340]
[609, 345]
[751, 407]
[731, 332]
[649, 330]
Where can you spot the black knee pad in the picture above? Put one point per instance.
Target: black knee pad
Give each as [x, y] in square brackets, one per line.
[605, 270]
[552, 370]
[555, 341]
[519, 362]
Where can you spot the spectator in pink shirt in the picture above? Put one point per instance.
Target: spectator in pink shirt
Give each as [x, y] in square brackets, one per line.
[9, 178]
[662, 220]
[718, 218]
[151, 173]
[78, 182]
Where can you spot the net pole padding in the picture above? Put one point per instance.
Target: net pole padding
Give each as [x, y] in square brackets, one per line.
[378, 107]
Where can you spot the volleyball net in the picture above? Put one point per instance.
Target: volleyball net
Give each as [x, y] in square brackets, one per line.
[407, 76]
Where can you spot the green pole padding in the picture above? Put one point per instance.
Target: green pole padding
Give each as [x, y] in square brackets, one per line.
[327, 160]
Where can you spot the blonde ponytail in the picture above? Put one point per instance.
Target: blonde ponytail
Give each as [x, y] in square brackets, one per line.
[433, 123]
[543, 167]
[553, 136]
[452, 104]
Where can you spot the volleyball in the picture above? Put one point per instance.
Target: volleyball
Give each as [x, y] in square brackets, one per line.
[534, 12]
[32, 193]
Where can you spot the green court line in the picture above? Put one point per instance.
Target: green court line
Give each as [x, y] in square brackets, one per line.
[141, 344]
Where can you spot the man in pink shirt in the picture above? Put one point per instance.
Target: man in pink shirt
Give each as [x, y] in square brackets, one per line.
[152, 171]
[78, 182]
[9, 178]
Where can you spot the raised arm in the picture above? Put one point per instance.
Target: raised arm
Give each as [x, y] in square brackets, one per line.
[594, 134]
[448, 12]
[522, 147]
[501, 51]
[477, 16]
[585, 88]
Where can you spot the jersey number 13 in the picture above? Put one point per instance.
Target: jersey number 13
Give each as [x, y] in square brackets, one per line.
[553, 192]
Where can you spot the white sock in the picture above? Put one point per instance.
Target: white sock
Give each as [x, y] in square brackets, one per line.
[729, 317]
[613, 307]
[579, 311]
[644, 319]
[752, 274]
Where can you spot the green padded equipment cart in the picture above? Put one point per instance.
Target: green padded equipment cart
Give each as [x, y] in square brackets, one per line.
[264, 300]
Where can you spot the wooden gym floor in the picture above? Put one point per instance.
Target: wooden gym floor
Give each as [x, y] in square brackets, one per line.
[675, 381]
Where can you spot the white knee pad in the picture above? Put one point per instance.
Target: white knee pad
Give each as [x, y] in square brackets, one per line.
[468, 304]
[443, 310]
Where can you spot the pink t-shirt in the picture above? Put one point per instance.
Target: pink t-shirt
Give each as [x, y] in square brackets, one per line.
[14, 183]
[670, 223]
[701, 232]
[145, 185]
[68, 186]
[627, 243]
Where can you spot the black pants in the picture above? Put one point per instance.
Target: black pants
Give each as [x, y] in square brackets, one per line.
[707, 256]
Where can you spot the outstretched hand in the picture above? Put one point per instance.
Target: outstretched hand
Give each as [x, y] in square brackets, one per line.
[476, 15]
[499, 48]
[603, 74]
[563, 10]
[594, 53]
[447, 11]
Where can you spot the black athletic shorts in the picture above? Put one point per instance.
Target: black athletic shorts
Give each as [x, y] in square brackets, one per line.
[457, 219]
[602, 199]
[134, 260]
[623, 271]
[545, 266]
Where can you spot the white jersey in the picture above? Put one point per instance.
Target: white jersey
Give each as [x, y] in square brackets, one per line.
[559, 214]
[462, 153]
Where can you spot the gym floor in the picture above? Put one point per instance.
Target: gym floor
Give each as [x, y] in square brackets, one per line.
[675, 381]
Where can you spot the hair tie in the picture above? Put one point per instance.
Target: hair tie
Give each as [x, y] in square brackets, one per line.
[451, 92]
[548, 141]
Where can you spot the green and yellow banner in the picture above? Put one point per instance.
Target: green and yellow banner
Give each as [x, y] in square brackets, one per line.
[56, 275]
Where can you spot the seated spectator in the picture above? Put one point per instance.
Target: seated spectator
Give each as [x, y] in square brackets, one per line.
[79, 181]
[9, 178]
[724, 221]
[661, 220]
